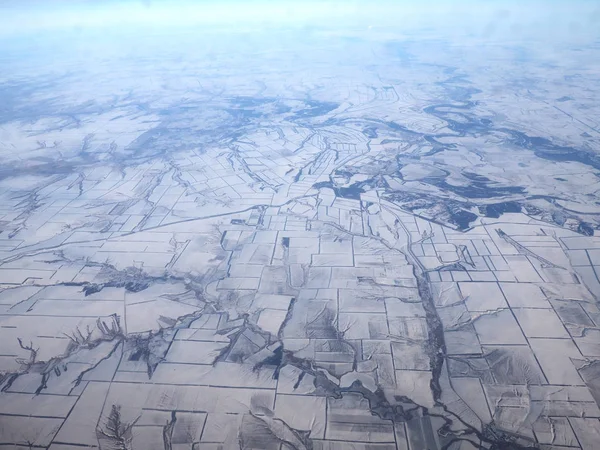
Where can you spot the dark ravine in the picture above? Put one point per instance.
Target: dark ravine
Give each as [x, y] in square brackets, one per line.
[495, 210]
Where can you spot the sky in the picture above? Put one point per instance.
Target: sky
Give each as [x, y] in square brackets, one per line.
[491, 18]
